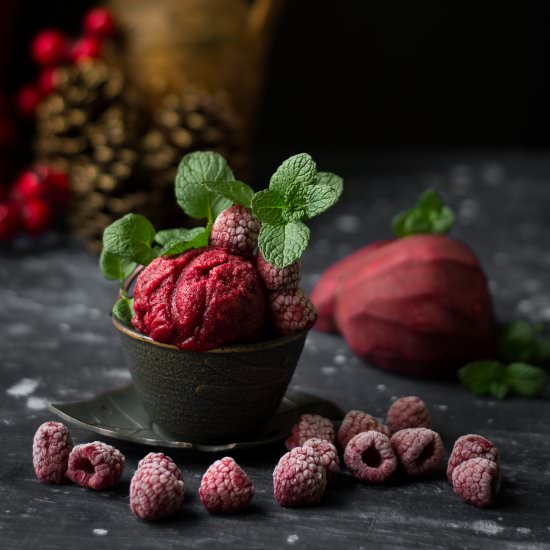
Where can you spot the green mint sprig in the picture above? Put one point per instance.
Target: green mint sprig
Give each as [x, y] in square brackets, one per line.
[523, 342]
[430, 215]
[496, 379]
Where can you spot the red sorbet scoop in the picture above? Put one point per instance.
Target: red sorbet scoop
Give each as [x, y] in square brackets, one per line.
[201, 300]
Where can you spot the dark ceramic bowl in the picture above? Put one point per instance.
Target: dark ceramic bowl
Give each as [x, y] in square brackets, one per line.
[226, 394]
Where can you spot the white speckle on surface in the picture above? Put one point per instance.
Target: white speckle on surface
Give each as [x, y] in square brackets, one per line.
[88, 338]
[442, 407]
[7, 422]
[23, 388]
[487, 527]
[18, 329]
[493, 174]
[100, 532]
[523, 530]
[468, 210]
[340, 359]
[347, 223]
[329, 370]
[119, 373]
[37, 403]
[381, 387]
[490, 420]
[64, 328]
[292, 539]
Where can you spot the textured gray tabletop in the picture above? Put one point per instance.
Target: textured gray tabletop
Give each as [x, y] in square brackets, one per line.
[57, 344]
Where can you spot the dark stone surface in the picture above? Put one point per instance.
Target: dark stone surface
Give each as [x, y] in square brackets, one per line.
[57, 344]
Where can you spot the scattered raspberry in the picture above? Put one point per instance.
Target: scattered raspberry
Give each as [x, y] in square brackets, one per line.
[161, 460]
[225, 487]
[28, 98]
[275, 278]
[95, 465]
[408, 412]
[87, 47]
[370, 457]
[47, 80]
[291, 310]
[328, 455]
[470, 446]
[51, 446]
[236, 229]
[310, 426]
[476, 481]
[299, 479]
[49, 47]
[99, 22]
[36, 215]
[419, 450]
[356, 422]
[155, 492]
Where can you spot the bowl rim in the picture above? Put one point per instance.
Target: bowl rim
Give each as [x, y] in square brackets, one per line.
[263, 345]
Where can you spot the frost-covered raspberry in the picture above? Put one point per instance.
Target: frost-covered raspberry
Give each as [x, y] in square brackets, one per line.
[277, 278]
[477, 481]
[419, 450]
[471, 446]
[309, 426]
[225, 487]
[369, 457]
[236, 229]
[155, 492]
[161, 460]
[299, 479]
[328, 455]
[356, 422]
[51, 446]
[95, 465]
[291, 310]
[408, 412]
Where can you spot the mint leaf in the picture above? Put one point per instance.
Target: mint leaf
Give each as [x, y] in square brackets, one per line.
[499, 389]
[282, 245]
[526, 380]
[181, 234]
[194, 171]
[115, 268]
[332, 180]
[130, 238]
[430, 215]
[319, 198]
[234, 191]
[268, 206]
[123, 310]
[292, 175]
[483, 377]
[195, 239]
[518, 341]
[542, 355]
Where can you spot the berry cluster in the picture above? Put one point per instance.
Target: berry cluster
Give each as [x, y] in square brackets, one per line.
[52, 48]
[236, 230]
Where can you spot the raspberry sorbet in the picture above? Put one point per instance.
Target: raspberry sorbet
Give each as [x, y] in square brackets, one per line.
[200, 300]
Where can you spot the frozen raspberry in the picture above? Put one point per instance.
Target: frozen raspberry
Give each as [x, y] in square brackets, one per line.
[419, 450]
[95, 465]
[87, 47]
[155, 492]
[99, 22]
[470, 446]
[47, 80]
[356, 422]
[49, 47]
[161, 460]
[299, 479]
[291, 310]
[276, 278]
[236, 230]
[477, 481]
[36, 215]
[328, 454]
[370, 457]
[408, 412]
[225, 487]
[50, 452]
[309, 426]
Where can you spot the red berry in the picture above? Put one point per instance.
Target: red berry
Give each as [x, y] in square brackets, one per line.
[51, 446]
[328, 456]
[356, 422]
[419, 450]
[29, 185]
[225, 487]
[299, 479]
[477, 481]
[161, 460]
[57, 184]
[370, 457]
[408, 412]
[95, 465]
[28, 98]
[290, 311]
[49, 47]
[46, 80]
[236, 230]
[470, 446]
[308, 426]
[10, 220]
[87, 47]
[36, 215]
[99, 22]
[275, 278]
[155, 492]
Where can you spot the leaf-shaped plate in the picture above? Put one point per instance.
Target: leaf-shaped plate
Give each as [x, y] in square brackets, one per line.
[119, 414]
